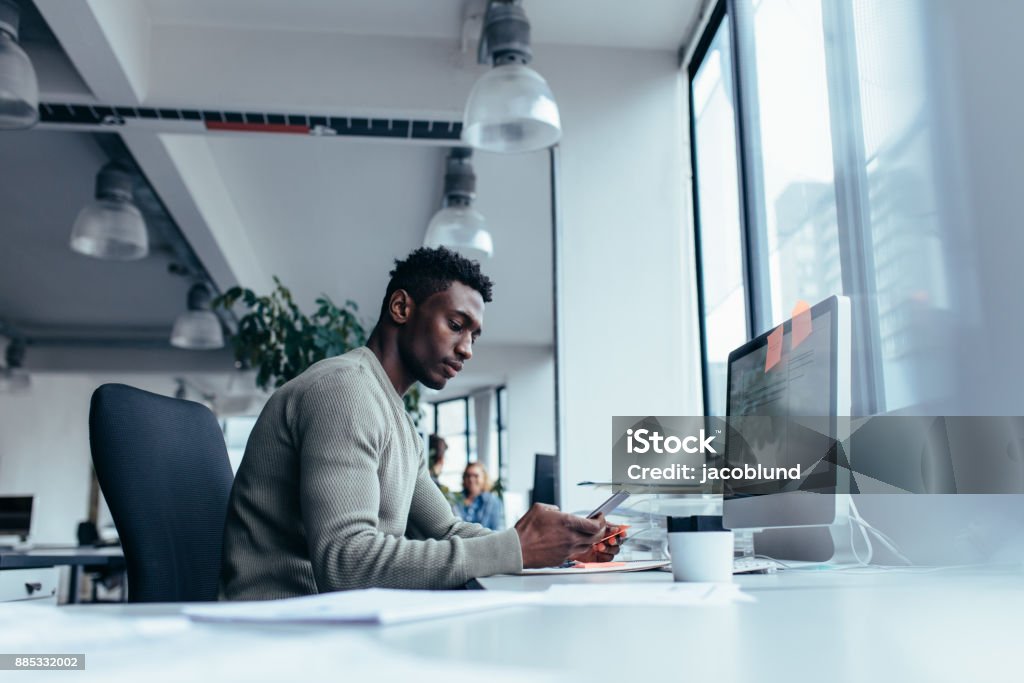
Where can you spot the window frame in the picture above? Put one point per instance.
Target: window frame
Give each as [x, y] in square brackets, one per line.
[718, 15]
[472, 448]
[850, 187]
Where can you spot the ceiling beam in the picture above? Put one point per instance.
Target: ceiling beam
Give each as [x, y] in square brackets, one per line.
[188, 182]
[107, 40]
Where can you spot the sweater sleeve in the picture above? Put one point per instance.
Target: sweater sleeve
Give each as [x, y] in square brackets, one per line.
[340, 436]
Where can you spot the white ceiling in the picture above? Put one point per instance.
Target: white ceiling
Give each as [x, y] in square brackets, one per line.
[329, 215]
[326, 215]
[48, 178]
[643, 24]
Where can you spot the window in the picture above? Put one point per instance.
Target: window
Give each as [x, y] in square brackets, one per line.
[815, 163]
[716, 197]
[455, 421]
[788, 114]
[501, 433]
[236, 436]
[452, 425]
[902, 221]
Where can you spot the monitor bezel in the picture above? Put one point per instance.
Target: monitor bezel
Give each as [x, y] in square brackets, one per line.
[839, 373]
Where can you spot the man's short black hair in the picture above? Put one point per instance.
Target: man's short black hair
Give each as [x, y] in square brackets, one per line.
[429, 271]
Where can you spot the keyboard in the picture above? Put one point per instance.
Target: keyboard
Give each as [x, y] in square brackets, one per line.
[753, 565]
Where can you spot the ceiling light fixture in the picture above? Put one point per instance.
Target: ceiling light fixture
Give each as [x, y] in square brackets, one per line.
[511, 108]
[19, 89]
[198, 328]
[111, 227]
[458, 226]
[14, 378]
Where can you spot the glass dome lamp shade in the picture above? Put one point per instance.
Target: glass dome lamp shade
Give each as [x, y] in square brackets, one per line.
[198, 328]
[111, 227]
[19, 89]
[462, 229]
[511, 109]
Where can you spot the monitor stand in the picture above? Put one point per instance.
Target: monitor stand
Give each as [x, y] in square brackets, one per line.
[845, 535]
[840, 543]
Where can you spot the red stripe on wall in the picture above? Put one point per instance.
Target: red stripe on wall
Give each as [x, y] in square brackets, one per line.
[258, 127]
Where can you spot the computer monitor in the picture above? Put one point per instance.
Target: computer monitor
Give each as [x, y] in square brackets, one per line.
[15, 516]
[811, 380]
[545, 479]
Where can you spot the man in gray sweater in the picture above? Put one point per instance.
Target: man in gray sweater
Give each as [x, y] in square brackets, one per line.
[334, 493]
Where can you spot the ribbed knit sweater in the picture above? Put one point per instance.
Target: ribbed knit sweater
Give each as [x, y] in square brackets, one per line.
[333, 493]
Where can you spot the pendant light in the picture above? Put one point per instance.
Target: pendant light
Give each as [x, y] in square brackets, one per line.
[511, 108]
[198, 328]
[19, 89]
[111, 227]
[13, 377]
[458, 226]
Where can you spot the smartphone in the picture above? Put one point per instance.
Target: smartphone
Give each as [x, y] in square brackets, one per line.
[610, 504]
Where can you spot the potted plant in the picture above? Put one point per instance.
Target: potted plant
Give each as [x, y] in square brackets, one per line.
[279, 341]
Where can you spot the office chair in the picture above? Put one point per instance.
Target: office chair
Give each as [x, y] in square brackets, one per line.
[162, 465]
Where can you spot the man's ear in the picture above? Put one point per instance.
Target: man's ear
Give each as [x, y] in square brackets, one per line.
[401, 306]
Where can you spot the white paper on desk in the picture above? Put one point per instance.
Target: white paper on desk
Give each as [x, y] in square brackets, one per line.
[599, 568]
[121, 648]
[373, 605]
[644, 594]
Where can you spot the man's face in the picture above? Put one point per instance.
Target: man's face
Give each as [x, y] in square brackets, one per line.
[438, 337]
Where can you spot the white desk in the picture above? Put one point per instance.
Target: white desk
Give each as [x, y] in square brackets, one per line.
[954, 625]
[75, 557]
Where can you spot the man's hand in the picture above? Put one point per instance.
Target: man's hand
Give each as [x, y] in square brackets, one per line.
[605, 550]
[549, 537]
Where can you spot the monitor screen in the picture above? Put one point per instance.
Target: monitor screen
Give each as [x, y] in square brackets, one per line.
[545, 479]
[15, 515]
[784, 399]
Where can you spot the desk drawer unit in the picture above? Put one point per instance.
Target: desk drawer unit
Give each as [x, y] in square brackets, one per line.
[29, 584]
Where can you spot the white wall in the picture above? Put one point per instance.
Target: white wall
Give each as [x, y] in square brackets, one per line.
[627, 329]
[531, 418]
[44, 446]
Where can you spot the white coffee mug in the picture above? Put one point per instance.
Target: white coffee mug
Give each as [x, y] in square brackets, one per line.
[701, 555]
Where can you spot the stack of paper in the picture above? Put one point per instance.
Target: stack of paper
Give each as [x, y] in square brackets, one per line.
[373, 606]
[599, 568]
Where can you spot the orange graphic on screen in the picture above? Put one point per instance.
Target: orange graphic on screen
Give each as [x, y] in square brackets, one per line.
[774, 349]
[801, 323]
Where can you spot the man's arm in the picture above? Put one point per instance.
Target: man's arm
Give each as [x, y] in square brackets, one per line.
[340, 435]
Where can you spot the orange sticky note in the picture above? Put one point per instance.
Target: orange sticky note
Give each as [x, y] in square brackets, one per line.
[801, 323]
[774, 349]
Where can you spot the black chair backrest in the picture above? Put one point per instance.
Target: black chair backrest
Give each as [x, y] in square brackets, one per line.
[163, 467]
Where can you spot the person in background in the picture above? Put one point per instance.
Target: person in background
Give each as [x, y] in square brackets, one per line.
[476, 503]
[436, 449]
[435, 466]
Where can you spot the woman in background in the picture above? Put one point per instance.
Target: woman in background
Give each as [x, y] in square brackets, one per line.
[476, 503]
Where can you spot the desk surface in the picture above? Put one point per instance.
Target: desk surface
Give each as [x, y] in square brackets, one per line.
[53, 557]
[804, 626]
